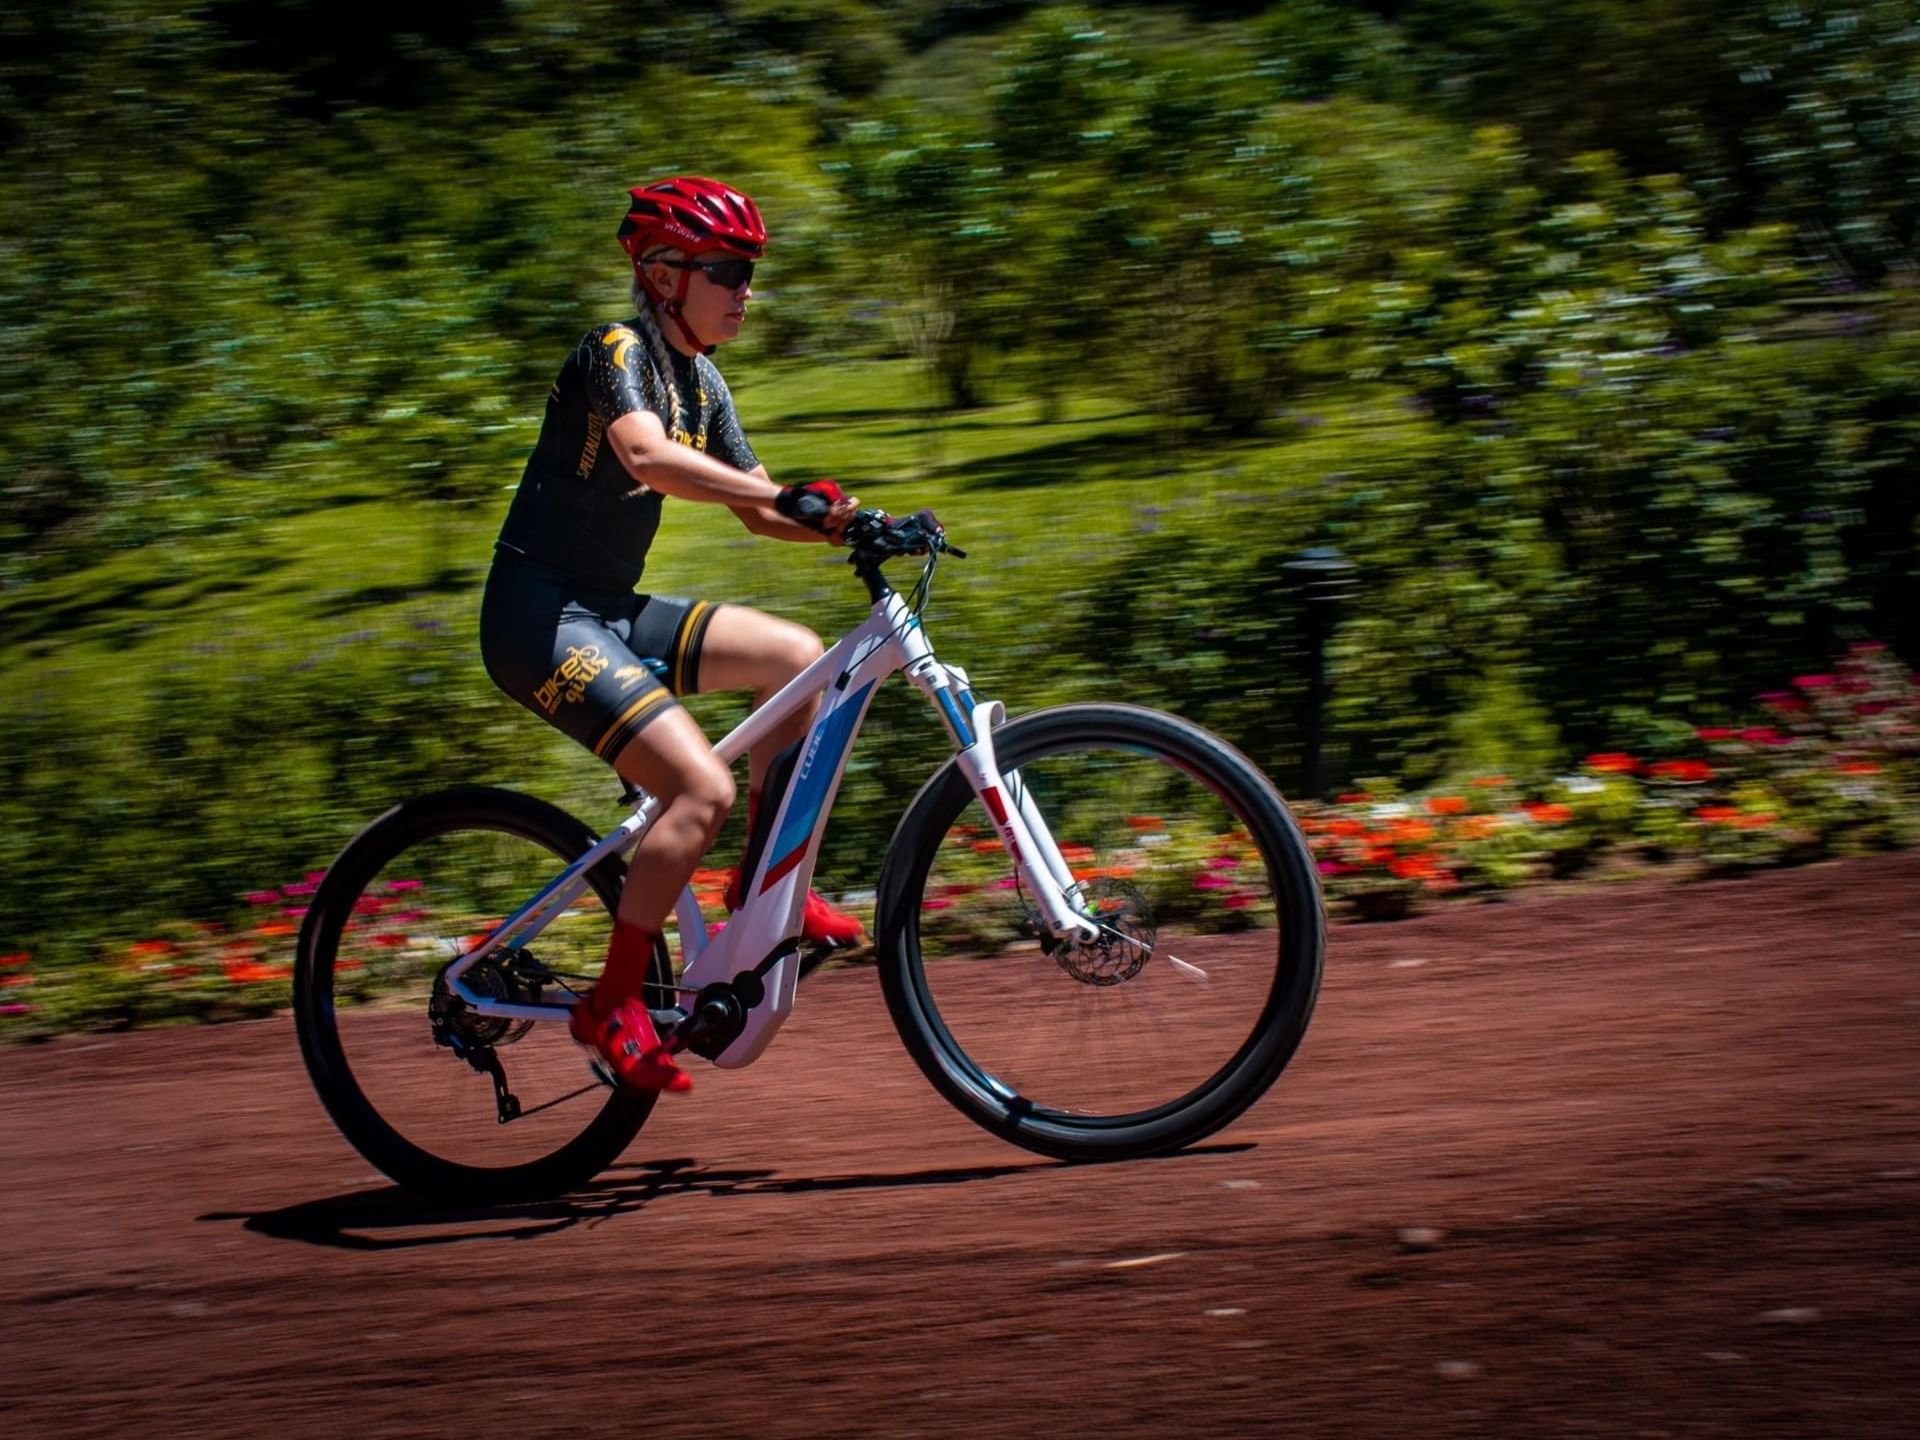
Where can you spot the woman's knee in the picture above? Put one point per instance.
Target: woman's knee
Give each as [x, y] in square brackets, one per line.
[707, 798]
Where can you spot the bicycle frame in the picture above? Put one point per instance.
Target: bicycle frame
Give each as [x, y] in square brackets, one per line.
[763, 934]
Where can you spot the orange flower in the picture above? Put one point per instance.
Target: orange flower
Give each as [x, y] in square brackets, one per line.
[275, 927]
[1348, 828]
[1858, 767]
[1446, 805]
[1716, 814]
[1613, 763]
[1545, 813]
[1414, 867]
[706, 876]
[1380, 855]
[1476, 827]
[1076, 854]
[1754, 822]
[1358, 797]
[985, 847]
[1412, 832]
[1492, 782]
[151, 947]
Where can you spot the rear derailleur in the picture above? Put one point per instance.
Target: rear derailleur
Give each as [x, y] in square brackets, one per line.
[513, 976]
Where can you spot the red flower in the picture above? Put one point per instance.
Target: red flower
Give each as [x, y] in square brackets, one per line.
[1762, 735]
[1446, 805]
[1813, 682]
[19, 957]
[1714, 732]
[1688, 772]
[1858, 767]
[1613, 763]
[1717, 814]
[1545, 813]
[1145, 822]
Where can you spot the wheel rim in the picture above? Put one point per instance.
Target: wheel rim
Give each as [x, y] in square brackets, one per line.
[405, 913]
[1109, 1035]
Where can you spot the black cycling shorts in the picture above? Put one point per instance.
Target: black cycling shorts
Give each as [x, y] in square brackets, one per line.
[598, 665]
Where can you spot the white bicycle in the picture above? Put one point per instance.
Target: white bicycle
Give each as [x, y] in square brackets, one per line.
[1099, 933]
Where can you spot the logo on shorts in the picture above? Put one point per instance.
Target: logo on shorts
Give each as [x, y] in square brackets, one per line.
[570, 681]
[629, 672]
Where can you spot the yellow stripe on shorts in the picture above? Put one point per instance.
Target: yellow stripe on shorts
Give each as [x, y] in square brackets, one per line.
[683, 641]
[639, 707]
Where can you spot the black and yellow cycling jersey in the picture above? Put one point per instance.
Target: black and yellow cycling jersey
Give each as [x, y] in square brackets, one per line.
[577, 509]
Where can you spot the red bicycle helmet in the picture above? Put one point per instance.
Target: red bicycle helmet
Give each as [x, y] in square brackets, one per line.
[690, 213]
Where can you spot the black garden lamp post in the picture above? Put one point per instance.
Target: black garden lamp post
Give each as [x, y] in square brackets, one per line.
[1325, 581]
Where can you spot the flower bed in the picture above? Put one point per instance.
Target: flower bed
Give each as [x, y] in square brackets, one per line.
[1831, 766]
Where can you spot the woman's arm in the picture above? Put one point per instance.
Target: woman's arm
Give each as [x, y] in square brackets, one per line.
[765, 520]
[641, 442]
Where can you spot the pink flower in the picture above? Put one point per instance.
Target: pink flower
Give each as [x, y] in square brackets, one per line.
[263, 897]
[314, 877]
[936, 904]
[407, 917]
[1866, 647]
[395, 887]
[1223, 862]
[1813, 682]
[16, 1007]
[1239, 902]
[1762, 735]
[1334, 867]
[293, 912]
[1211, 882]
[300, 887]
[1007, 884]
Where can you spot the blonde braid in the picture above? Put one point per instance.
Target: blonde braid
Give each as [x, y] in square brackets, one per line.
[657, 343]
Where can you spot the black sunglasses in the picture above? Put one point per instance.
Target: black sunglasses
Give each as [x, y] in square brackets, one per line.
[727, 274]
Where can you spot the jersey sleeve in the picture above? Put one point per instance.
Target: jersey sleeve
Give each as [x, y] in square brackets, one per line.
[619, 373]
[725, 439]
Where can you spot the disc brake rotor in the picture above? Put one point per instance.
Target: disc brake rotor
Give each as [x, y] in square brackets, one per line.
[1126, 937]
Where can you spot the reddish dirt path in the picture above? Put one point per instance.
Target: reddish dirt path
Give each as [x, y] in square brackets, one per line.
[1672, 1135]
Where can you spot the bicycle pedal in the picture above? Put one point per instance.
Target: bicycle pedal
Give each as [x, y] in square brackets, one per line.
[602, 1071]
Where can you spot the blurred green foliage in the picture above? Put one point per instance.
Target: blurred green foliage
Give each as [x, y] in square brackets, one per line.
[1586, 330]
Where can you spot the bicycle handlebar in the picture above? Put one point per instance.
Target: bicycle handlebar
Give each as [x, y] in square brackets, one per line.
[876, 537]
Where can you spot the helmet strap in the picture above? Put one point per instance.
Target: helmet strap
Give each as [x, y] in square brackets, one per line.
[674, 310]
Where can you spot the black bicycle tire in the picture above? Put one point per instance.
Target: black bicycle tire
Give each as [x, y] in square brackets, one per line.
[1282, 1023]
[411, 1166]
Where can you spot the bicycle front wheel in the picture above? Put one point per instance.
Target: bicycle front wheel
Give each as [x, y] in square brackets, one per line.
[1196, 994]
[464, 1108]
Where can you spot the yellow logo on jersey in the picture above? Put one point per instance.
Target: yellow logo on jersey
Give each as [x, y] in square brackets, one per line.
[622, 340]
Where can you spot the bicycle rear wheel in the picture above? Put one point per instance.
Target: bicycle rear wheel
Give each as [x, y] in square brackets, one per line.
[1201, 987]
[405, 1069]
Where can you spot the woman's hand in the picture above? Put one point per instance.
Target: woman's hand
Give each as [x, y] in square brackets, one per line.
[819, 505]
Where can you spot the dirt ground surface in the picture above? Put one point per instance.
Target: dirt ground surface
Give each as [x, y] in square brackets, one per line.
[1666, 1141]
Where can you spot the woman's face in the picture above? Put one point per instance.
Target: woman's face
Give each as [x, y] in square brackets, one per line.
[713, 310]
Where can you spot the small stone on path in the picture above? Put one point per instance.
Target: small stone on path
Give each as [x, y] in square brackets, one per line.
[1457, 1369]
[1791, 1315]
[1419, 1237]
[1138, 1260]
[1239, 1184]
[1226, 1311]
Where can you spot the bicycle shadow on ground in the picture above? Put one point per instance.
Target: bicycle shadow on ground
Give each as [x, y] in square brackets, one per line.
[389, 1218]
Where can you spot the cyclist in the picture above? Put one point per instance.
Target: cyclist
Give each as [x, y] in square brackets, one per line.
[640, 413]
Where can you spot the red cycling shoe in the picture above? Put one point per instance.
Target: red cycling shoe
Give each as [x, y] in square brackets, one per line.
[627, 1048]
[822, 924]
